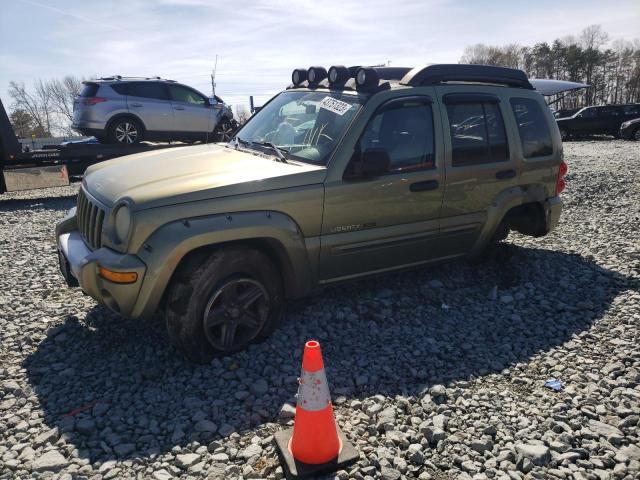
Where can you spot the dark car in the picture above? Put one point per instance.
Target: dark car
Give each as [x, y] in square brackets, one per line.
[565, 112]
[606, 119]
[630, 130]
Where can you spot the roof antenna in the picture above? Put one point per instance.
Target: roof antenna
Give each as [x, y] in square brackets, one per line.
[213, 77]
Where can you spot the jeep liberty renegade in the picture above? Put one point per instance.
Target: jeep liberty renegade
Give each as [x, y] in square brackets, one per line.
[346, 173]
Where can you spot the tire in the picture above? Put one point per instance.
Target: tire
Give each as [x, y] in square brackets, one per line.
[224, 130]
[564, 134]
[210, 291]
[125, 131]
[635, 135]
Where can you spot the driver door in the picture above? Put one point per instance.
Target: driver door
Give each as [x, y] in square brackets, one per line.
[375, 224]
[192, 112]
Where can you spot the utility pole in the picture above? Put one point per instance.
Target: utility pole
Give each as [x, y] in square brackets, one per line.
[213, 77]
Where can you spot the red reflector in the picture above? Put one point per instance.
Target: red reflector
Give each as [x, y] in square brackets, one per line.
[93, 100]
[564, 168]
[560, 186]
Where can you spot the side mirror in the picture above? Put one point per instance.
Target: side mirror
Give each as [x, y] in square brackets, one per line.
[212, 101]
[372, 163]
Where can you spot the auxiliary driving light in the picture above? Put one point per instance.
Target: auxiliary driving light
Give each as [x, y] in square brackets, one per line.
[298, 76]
[339, 74]
[316, 74]
[366, 77]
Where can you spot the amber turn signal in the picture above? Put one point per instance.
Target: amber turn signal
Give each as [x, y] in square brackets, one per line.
[118, 277]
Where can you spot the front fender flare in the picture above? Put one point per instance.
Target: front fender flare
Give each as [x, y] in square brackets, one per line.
[165, 248]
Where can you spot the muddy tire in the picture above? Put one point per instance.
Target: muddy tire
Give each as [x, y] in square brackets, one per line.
[220, 304]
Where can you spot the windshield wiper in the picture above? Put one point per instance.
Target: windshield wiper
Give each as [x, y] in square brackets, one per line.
[275, 149]
[241, 141]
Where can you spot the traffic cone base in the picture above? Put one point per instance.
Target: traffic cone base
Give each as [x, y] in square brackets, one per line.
[296, 469]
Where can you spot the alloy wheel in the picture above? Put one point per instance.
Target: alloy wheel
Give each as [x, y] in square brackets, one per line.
[235, 313]
[126, 132]
[225, 132]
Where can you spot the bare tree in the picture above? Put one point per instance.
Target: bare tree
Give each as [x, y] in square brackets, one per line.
[37, 104]
[63, 92]
[241, 114]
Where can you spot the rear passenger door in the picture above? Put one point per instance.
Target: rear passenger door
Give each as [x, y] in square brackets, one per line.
[150, 102]
[191, 110]
[479, 163]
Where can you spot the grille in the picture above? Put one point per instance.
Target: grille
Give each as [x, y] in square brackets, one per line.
[90, 220]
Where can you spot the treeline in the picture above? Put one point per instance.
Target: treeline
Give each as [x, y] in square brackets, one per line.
[612, 68]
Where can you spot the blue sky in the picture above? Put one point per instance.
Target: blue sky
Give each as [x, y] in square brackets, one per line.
[258, 43]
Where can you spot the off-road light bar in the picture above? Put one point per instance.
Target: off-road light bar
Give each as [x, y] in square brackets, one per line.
[339, 74]
[366, 77]
[298, 76]
[316, 74]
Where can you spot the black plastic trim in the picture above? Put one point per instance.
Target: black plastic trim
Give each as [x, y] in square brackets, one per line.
[437, 74]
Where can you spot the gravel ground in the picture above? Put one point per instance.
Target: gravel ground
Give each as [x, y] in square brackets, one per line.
[437, 373]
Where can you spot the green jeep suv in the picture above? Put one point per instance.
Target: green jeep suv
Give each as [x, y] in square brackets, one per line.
[348, 172]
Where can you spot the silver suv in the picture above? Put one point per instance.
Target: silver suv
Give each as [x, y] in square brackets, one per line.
[129, 110]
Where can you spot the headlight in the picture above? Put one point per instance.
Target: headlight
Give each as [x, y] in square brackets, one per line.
[122, 223]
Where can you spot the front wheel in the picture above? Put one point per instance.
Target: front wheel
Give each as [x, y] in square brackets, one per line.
[564, 134]
[636, 134]
[224, 130]
[220, 305]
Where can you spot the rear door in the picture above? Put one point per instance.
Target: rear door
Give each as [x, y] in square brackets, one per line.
[191, 110]
[479, 163]
[389, 221]
[150, 102]
[609, 119]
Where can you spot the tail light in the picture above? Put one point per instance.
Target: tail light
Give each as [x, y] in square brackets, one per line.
[93, 100]
[561, 183]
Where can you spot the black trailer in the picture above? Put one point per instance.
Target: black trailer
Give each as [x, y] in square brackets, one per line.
[52, 166]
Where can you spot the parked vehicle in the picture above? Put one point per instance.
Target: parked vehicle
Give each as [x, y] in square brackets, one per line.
[347, 173]
[630, 130]
[565, 112]
[606, 119]
[129, 110]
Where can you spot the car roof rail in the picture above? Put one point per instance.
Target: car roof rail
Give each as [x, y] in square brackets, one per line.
[463, 73]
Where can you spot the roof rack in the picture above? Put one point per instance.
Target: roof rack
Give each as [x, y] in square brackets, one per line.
[120, 77]
[443, 73]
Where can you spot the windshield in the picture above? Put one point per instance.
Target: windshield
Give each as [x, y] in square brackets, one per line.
[302, 125]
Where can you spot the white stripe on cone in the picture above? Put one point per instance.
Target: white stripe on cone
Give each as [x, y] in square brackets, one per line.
[313, 391]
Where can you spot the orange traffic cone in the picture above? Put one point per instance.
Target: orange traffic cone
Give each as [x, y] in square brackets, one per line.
[315, 445]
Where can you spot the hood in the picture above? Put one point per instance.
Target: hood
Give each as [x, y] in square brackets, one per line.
[186, 174]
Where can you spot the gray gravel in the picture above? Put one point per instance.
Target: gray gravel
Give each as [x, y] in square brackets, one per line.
[437, 373]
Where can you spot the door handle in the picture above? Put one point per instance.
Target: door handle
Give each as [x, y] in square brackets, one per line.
[178, 108]
[424, 186]
[505, 174]
[136, 104]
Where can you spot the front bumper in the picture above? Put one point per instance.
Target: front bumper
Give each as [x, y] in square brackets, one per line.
[82, 266]
[553, 209]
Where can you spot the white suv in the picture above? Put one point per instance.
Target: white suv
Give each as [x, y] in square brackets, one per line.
[129, 110]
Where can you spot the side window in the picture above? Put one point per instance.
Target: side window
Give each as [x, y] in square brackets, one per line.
[535, 136]
[609, 112]
[148, 90]
[631, 110]
[405, 130]
[588, 113]
[186, 95]
[477, 134]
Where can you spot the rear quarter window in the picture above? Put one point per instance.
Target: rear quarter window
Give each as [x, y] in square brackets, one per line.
[535, 136]
[89, 90]
[120, 88]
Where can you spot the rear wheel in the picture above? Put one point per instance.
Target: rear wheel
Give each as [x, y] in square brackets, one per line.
[223, 303]
[125, 131]
[636, 134]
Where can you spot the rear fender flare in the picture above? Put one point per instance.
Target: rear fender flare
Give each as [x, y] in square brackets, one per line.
[502, 203]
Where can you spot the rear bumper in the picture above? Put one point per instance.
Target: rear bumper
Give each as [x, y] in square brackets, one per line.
[553, 209]
[80, 266]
